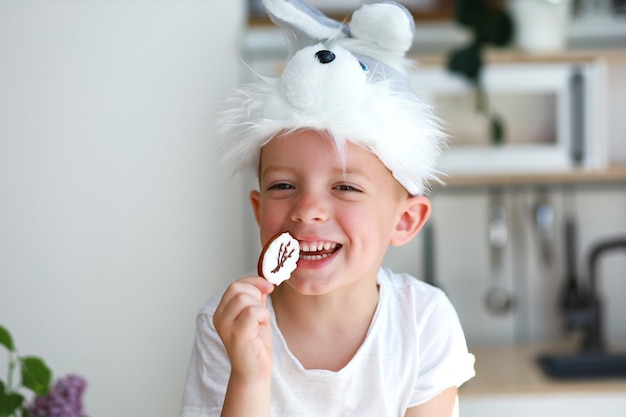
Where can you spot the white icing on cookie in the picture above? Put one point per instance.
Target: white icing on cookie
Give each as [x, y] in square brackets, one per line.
[278, 259]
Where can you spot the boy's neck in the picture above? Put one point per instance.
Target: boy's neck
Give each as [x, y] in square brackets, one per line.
[336, 309]
[338, 323]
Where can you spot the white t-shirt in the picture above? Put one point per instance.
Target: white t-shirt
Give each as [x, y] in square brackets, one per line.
[415, 348]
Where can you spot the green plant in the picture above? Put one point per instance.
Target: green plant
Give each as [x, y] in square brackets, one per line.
[489, 23]
[35, 376]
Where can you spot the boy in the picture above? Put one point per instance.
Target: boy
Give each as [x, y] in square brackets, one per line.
[343, 151]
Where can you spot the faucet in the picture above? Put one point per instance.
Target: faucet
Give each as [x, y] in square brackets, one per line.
[582, 310]
[586, 312]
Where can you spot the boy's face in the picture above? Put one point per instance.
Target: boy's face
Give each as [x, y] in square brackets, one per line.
[343, 220]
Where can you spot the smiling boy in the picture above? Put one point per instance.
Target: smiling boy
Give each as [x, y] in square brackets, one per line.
[353, 215]
[341, 337]
[344, 151]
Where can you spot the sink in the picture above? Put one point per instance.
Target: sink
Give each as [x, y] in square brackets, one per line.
[584, 365]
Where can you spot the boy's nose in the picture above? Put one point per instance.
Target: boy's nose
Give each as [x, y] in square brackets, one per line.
[309, 208]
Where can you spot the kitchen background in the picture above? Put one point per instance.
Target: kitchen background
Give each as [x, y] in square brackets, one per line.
[117, 222]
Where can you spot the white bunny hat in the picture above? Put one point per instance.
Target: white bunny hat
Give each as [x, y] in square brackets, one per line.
[346, 80]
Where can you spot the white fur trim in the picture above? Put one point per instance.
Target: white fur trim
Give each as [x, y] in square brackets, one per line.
[339, 97]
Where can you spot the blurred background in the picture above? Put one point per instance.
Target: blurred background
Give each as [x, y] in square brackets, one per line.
[117, 221]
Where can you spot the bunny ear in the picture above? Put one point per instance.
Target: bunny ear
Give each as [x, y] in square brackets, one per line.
[385, 23]
[304, 24]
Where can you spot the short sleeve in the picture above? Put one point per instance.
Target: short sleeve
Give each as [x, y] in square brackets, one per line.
[444, 360]
[209, 370]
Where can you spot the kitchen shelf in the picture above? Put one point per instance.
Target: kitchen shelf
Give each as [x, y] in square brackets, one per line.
[514, 55]
[613, 174]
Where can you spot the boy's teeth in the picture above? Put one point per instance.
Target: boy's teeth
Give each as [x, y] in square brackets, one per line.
[314, 257]
[314, 251]
[316, 246]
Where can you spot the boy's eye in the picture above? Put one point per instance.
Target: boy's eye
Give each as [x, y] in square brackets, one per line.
[280, 186]
[346, 187]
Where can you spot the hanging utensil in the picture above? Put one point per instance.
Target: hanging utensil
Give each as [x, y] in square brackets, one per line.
[544, 219]
[429, 272]
[498, 299]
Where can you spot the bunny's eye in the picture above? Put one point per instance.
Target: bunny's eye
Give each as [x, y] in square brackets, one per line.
[363, 66]
[324, 56]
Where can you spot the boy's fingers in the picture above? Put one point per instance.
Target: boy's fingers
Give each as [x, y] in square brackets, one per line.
[251, 317]
[245, 292]
[262, 284]
[255, 287]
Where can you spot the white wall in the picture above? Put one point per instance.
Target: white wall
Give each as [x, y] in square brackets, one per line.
[116, 222]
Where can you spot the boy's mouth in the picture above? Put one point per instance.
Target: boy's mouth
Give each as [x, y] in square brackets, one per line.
[315, 251]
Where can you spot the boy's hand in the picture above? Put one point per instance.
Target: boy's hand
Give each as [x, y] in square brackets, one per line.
[242, 321]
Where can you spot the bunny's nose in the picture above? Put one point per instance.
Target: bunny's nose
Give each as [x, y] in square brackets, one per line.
[324, 56]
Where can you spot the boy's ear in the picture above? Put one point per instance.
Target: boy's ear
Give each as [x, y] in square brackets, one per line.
[412, 219]
[255, 200]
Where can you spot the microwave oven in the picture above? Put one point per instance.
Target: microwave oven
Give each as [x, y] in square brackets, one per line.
[553, 112]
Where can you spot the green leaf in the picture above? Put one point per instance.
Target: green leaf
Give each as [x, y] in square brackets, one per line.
[496, 28]
[36, 375]
[497, 131]
[6, 340]
[468, 13]
[9, 402]
[466, 61]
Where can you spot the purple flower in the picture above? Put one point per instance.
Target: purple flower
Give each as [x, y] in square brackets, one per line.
[63, 400]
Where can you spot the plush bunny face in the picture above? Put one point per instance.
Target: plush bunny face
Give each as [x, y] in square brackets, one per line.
[353, 88]
[323, 80]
